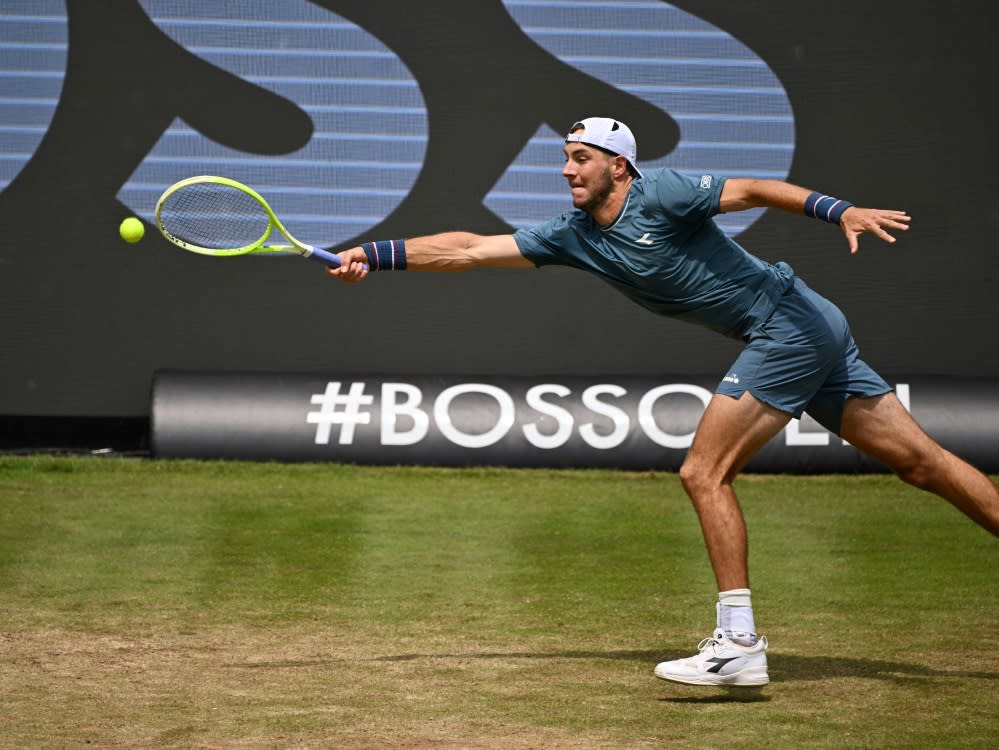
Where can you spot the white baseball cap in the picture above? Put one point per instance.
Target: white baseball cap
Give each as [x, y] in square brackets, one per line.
[609, 135]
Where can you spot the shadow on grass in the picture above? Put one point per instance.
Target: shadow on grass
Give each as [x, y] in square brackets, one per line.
[718, 694]
[783, 668]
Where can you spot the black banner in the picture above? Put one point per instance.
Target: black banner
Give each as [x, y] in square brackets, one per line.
[620, 422]
[365, 121]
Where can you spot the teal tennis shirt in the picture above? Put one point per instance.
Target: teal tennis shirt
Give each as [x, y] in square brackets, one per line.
[666, 253]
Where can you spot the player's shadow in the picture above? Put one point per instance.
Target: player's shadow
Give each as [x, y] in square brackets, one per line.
[783, 669]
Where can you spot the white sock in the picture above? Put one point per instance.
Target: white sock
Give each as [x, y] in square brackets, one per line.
[735, 616]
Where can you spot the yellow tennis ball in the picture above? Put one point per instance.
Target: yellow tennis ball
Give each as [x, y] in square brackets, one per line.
[132, 230]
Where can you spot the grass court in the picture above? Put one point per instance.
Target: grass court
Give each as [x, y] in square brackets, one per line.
[183, 604]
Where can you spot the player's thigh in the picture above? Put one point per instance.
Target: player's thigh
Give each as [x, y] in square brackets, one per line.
[730, 433]
[882, 428]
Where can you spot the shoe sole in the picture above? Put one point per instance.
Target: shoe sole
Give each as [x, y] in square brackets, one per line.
[751, 677]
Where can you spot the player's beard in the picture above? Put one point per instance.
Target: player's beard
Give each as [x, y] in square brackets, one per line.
[599, 192]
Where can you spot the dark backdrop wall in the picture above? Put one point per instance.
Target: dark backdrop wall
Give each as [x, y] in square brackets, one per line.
[892, 105]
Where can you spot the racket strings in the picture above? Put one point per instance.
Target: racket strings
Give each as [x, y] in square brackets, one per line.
[215, 216]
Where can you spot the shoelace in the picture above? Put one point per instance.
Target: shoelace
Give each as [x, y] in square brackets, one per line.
[709, 642]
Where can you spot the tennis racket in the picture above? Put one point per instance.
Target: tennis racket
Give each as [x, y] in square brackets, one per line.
[221, 217]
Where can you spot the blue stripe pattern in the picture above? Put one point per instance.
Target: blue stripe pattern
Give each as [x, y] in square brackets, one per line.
[734, 115]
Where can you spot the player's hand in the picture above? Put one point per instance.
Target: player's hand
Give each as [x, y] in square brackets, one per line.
[856, 221]
[353, 266]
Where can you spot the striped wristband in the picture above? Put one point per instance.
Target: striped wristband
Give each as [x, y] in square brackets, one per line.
[386, 255]
[825, 207]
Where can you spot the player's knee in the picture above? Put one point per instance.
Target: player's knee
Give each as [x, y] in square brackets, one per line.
[697, 477]
[688, 475]
[919, 470]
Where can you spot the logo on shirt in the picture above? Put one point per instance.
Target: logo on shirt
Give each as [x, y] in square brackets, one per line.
[731, 378]
[705, 182]
[645, 239]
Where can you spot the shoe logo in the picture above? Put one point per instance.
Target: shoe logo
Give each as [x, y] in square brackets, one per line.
[719, 663]
[645, 239]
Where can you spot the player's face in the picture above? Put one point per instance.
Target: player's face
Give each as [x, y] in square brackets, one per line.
[590, 174]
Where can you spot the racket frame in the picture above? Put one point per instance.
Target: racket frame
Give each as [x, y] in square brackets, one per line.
[259, 245]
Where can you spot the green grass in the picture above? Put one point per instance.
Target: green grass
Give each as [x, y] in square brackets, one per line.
[216, 605]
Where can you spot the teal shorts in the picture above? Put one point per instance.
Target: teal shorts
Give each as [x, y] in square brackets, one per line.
[803, 359]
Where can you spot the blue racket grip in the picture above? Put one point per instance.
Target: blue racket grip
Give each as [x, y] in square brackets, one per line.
[325, 256]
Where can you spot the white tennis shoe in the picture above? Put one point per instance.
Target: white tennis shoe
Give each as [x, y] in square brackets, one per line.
[720, 662]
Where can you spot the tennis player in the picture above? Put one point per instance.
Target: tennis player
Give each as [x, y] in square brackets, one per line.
[653, 238]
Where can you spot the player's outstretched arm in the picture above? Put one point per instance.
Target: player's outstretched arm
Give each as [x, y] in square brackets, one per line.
[742, 194]
[448, 251]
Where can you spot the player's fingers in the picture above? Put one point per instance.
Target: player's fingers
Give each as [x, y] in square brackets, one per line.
[901, 224]
[352, 272]
[897, 222]
[883, 234]
[896, 218]
[343, 273]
